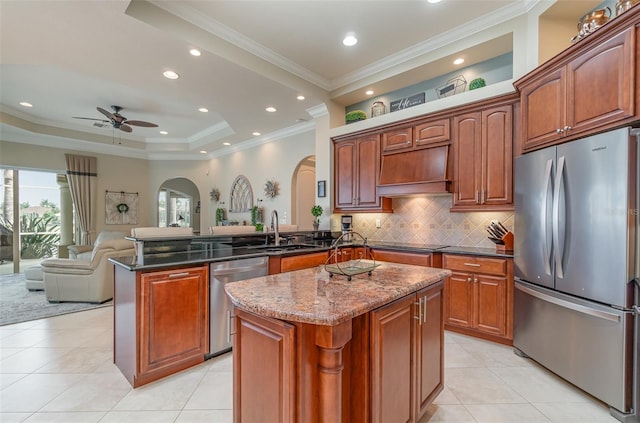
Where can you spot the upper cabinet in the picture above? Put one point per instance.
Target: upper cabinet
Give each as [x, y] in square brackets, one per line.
[357, 167]
[423, 134]
[586, 89]
[483, 159]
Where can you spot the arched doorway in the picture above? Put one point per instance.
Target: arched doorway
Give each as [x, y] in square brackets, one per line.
[179, 204]
[303, 195]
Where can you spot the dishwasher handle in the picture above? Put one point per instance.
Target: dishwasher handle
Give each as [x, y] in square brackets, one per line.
[235, 270]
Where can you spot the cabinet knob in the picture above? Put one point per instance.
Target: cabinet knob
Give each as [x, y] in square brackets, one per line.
[468, 279]
[567, 128]
[475, 280]
[559, 130]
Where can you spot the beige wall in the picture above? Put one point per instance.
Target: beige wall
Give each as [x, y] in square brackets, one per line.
[114, 174]
[276, 160]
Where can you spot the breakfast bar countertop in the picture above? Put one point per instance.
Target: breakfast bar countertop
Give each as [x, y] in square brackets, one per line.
[312, 296]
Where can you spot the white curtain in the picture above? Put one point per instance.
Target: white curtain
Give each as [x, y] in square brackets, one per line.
[82, 175]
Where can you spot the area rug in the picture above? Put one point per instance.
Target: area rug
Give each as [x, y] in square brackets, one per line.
[18, 304]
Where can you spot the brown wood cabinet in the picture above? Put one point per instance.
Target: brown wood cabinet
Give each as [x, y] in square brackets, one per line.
[584, 90]
[483, 159]
[162, 322]
[406, 350]
[273, 399]
[418, 136]
[479, 296]
[302, 261]
[403, 257]
[357, 167]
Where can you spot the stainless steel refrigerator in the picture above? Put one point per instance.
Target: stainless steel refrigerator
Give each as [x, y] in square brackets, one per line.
[577, 265]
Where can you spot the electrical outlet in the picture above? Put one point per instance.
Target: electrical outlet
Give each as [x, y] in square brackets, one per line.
[378, 223]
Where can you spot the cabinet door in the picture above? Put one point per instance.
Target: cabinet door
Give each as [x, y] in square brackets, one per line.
[458, 294]
[367, 171]
[432, 132]
[490, 314]
[497, 156]
[392, 361]
[302, 261]
[404, 258]
[543, 109]
[467, 131]
[429, 348]
[174, 318]
[345, 183]
[398, 139]
[600, 84]
[273, 399]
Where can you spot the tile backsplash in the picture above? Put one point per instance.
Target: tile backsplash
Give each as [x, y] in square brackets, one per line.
[427, 220]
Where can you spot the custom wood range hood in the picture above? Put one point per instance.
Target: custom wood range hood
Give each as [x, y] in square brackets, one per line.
[415, 172]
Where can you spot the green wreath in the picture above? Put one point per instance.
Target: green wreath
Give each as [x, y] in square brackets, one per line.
[122, 208]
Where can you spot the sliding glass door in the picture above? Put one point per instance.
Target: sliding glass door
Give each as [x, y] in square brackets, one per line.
[29, 218]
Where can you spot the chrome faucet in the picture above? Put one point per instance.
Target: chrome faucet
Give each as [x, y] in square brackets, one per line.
[275, 227]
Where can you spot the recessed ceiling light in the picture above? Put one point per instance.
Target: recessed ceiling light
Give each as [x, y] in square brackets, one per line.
[25, 104]
[458, 61]
[170, 74]
[195, 52]
[369, 92]
[350, 40]
[255, 134]
[433, 1]
[300, 97]
[203, 152]
[203, 109]
[271, 109]
[164, 132]
[226, 143]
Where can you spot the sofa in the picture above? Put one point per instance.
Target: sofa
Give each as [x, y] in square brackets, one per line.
[84, 252]
[80, 280]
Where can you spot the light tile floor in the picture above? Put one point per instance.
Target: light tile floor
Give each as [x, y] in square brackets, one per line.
[60, 370]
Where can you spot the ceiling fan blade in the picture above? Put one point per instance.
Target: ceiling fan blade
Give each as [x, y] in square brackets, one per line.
[125, 128]
[141, 123]
[99, 120]
[106, 113]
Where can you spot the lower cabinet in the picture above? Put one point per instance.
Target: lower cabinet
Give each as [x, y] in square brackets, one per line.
[279, 264]
[404, 257]
[273, 399]
[162, 322]
[383, 366]
[406, 356]
[479, 296]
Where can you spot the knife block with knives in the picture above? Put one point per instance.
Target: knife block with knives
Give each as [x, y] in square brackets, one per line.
[501, 236]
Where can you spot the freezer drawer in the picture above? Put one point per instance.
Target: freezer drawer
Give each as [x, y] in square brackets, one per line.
[585, 343]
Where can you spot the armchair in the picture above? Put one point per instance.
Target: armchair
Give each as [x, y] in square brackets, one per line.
[84, 252]
[84, 280]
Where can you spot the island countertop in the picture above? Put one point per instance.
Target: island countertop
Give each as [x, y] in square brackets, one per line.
[312, 296]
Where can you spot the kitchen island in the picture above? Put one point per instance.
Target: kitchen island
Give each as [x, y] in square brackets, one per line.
[313, 348]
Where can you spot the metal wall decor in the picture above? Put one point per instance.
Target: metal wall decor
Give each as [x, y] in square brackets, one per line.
[215, 194]
[121, 208]
[241, 195]
[453, 86]
[271, 189]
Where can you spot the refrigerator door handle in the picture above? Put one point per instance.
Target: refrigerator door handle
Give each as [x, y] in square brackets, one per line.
[557, 246]
[570, 305]
[546, 244]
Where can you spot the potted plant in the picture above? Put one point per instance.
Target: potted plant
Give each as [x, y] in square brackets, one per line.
[354, 116]
[316, 211]
[219, 216]
[477, 83]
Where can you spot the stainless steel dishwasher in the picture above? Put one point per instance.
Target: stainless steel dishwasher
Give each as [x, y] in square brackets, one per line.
[219, 304]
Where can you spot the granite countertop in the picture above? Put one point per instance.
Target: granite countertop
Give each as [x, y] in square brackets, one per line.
[311, 296]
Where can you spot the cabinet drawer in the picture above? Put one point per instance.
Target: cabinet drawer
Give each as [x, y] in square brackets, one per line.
[494, 266]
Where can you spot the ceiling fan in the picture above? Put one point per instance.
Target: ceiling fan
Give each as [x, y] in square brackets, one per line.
[118, 121]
